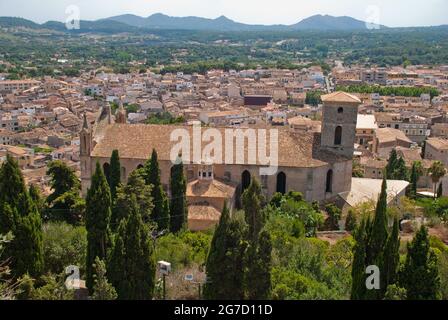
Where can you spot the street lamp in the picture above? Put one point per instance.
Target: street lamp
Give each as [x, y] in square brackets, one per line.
[164, 269]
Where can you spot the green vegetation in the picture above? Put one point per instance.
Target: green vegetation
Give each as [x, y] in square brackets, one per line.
[389, 91]
[164, 118]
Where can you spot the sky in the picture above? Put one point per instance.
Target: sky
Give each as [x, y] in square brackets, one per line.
[392, 13]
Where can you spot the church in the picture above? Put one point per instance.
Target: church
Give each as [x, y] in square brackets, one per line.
[317, 164]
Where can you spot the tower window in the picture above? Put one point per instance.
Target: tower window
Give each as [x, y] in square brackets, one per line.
[341, 110]
[338, 136]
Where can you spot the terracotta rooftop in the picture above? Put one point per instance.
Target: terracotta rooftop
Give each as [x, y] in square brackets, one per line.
[438, 143]
[340, 96]
[203, 212]
[136, 141]
[389, 134]
[212, 189]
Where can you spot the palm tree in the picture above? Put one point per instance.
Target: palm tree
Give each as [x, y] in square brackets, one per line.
[437, 171]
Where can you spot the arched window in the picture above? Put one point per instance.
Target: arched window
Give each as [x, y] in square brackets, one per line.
[338, 136]
[140, 166]
[281, 183]
[329, 183]
[106, 170]
[245, 180]
[341, 110]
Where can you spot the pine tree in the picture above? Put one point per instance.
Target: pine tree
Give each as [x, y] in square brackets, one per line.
[391, 164]
[420, 275]
[152, 176]
[114, 178]
[414, 181]
[102, 289]
[98, 215]
[224, 266]
[178, 205]
[252, 205]
[391, 258]
[137, 187]
[19, 215]
[132, 266]
[63, 179]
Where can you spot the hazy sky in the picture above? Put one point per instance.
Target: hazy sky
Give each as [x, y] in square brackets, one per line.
[392, 13]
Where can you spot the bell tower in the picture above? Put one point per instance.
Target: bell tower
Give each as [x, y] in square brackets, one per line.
[85, 148]
[120, 117]
[339, 119]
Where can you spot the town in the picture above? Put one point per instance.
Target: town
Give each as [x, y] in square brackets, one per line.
[187, 158]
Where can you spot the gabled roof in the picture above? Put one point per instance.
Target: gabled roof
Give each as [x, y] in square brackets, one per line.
[341, 97]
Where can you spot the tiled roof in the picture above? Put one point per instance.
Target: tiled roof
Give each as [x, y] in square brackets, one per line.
[203, 212]
[137, 141]
[212, 189]
[340, 96]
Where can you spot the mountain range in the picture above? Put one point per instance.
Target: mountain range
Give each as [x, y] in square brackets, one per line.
[158, 21]
[161, 21]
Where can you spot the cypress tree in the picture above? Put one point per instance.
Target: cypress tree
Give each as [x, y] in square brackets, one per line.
[414, 181]
[102, 289]
[224, 266]
[132, 266]
[400, 172]
[19, 215]
[258, 273]
[114, 174]
[178, 205]
[391, 164]
[137, 187]
[252, 205]
[359, 263]
[98, 215]
[160, 213]
[420, 275]
[379, 232]
[391, 258]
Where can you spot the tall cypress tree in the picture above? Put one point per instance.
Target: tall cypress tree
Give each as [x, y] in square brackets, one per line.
[252, 205]
[19, 215]
[132, 267]
[98, 215]
[160, 213]
[359, 262]
[178, 205]
[379, 229]
[391, 164]
[391, 258]
[225, 266]
[114, 174]
[420, 276]
[414, 181]
[259, 264]
[400, 172]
